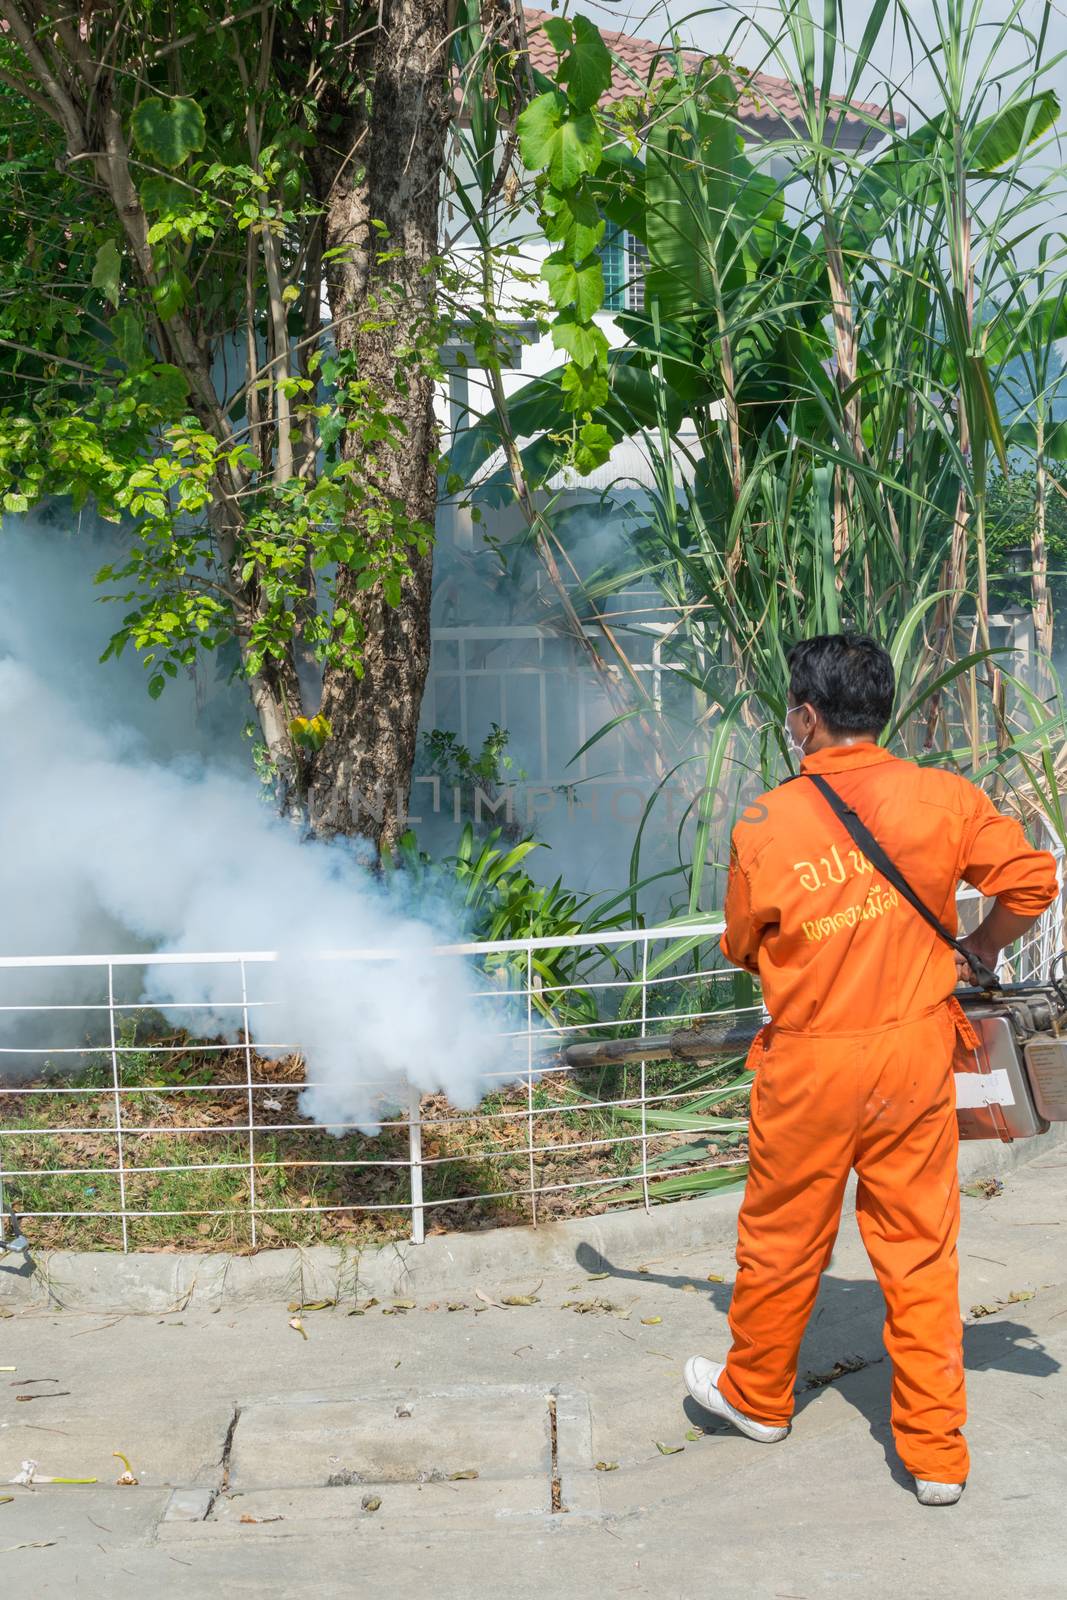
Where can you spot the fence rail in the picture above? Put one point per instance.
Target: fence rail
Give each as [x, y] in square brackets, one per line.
[108, 1141]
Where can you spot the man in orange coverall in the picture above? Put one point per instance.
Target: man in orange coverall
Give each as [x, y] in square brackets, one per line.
[855, 1067]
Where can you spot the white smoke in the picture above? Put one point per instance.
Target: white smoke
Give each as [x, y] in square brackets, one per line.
[102, 842]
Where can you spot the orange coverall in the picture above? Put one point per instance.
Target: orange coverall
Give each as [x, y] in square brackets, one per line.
[855, 1070]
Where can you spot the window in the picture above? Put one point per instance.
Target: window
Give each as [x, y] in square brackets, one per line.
[637, 266]
[624, 259]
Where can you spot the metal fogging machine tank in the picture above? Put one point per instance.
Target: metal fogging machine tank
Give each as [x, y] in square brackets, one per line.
[1011, 1076]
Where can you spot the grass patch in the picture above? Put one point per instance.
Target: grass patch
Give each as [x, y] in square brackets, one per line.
[185, 1107]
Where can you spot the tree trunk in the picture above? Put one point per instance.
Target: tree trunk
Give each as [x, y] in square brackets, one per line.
[381, 298]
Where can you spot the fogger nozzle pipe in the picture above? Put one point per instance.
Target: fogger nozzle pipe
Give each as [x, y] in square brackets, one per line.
[685, 1044]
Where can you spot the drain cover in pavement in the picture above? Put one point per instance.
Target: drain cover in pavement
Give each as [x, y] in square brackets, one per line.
[498, 1451]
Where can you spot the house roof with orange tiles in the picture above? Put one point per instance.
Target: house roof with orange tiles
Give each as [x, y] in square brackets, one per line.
[767, 107]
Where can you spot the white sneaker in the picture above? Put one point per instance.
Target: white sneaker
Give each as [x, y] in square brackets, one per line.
[937, 1494]
[701, 1377]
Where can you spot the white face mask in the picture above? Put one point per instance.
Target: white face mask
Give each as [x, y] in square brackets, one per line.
[796, 750]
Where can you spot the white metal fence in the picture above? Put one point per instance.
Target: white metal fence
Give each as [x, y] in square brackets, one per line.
[98, 1146]
[536, 1112]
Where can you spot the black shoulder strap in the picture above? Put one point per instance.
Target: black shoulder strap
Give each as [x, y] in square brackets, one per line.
[878, 858]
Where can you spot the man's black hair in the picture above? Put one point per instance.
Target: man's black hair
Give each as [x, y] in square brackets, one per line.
[847, 677]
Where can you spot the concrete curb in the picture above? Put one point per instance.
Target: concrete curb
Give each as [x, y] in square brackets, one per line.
[155, 1282]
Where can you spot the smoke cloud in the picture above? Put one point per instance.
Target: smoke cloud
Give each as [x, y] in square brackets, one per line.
[109, 848]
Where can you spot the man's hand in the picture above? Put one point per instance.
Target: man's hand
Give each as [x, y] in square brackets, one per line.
[999, 929]
[983, 950]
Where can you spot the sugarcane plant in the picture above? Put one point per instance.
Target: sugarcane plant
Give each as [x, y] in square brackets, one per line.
[818, 380]
[839, 359]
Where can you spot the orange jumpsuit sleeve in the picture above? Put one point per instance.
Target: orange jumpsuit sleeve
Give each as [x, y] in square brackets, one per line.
[999, 861]
[741, 941]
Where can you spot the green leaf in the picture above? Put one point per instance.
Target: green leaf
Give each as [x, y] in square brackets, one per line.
[169, 296]
[554, 140]
[594, 447]
[169, 131]
[558, 32]
[909, 168]
[170, 387]
[586, 68]
[584, 342]
[583, 388]
[162, 194]
[581, 287]
[129, 337]
[694, 179]
[572, 221]
[1023, 434]
[107, 270]
[1006, 134]
[688, 1183]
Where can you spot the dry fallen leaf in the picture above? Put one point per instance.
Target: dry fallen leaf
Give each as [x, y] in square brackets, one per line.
[983, 1189]
[840, 1369]
[403, 1305]
[585, 1306]
[310, 1305]
[606, 1466]
[668, 1449]
[371, 1502]
[298, 1327]
[694, 1433]
[715, 1277]
[277, 1517]
[362, 1307]
[1020, 1294]
[689, 1288]
[593, 1276]
[457, 1305]
[6, 1499]
[521, 1300]
[460, 1477]
[651, 1322]
[488, 1299]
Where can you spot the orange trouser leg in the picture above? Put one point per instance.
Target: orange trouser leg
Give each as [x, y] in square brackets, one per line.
[883, 1101]
[908, 1208]
[802, 1138]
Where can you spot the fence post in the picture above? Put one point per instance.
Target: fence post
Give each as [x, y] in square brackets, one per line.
[251, 1106]
[118, 1102]
[529, 1085]
[418, 1216]
[644, 1102]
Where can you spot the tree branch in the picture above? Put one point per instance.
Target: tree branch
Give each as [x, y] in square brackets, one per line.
[62, 106]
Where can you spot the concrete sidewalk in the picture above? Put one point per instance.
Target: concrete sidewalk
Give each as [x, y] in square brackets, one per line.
[422, 1448]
